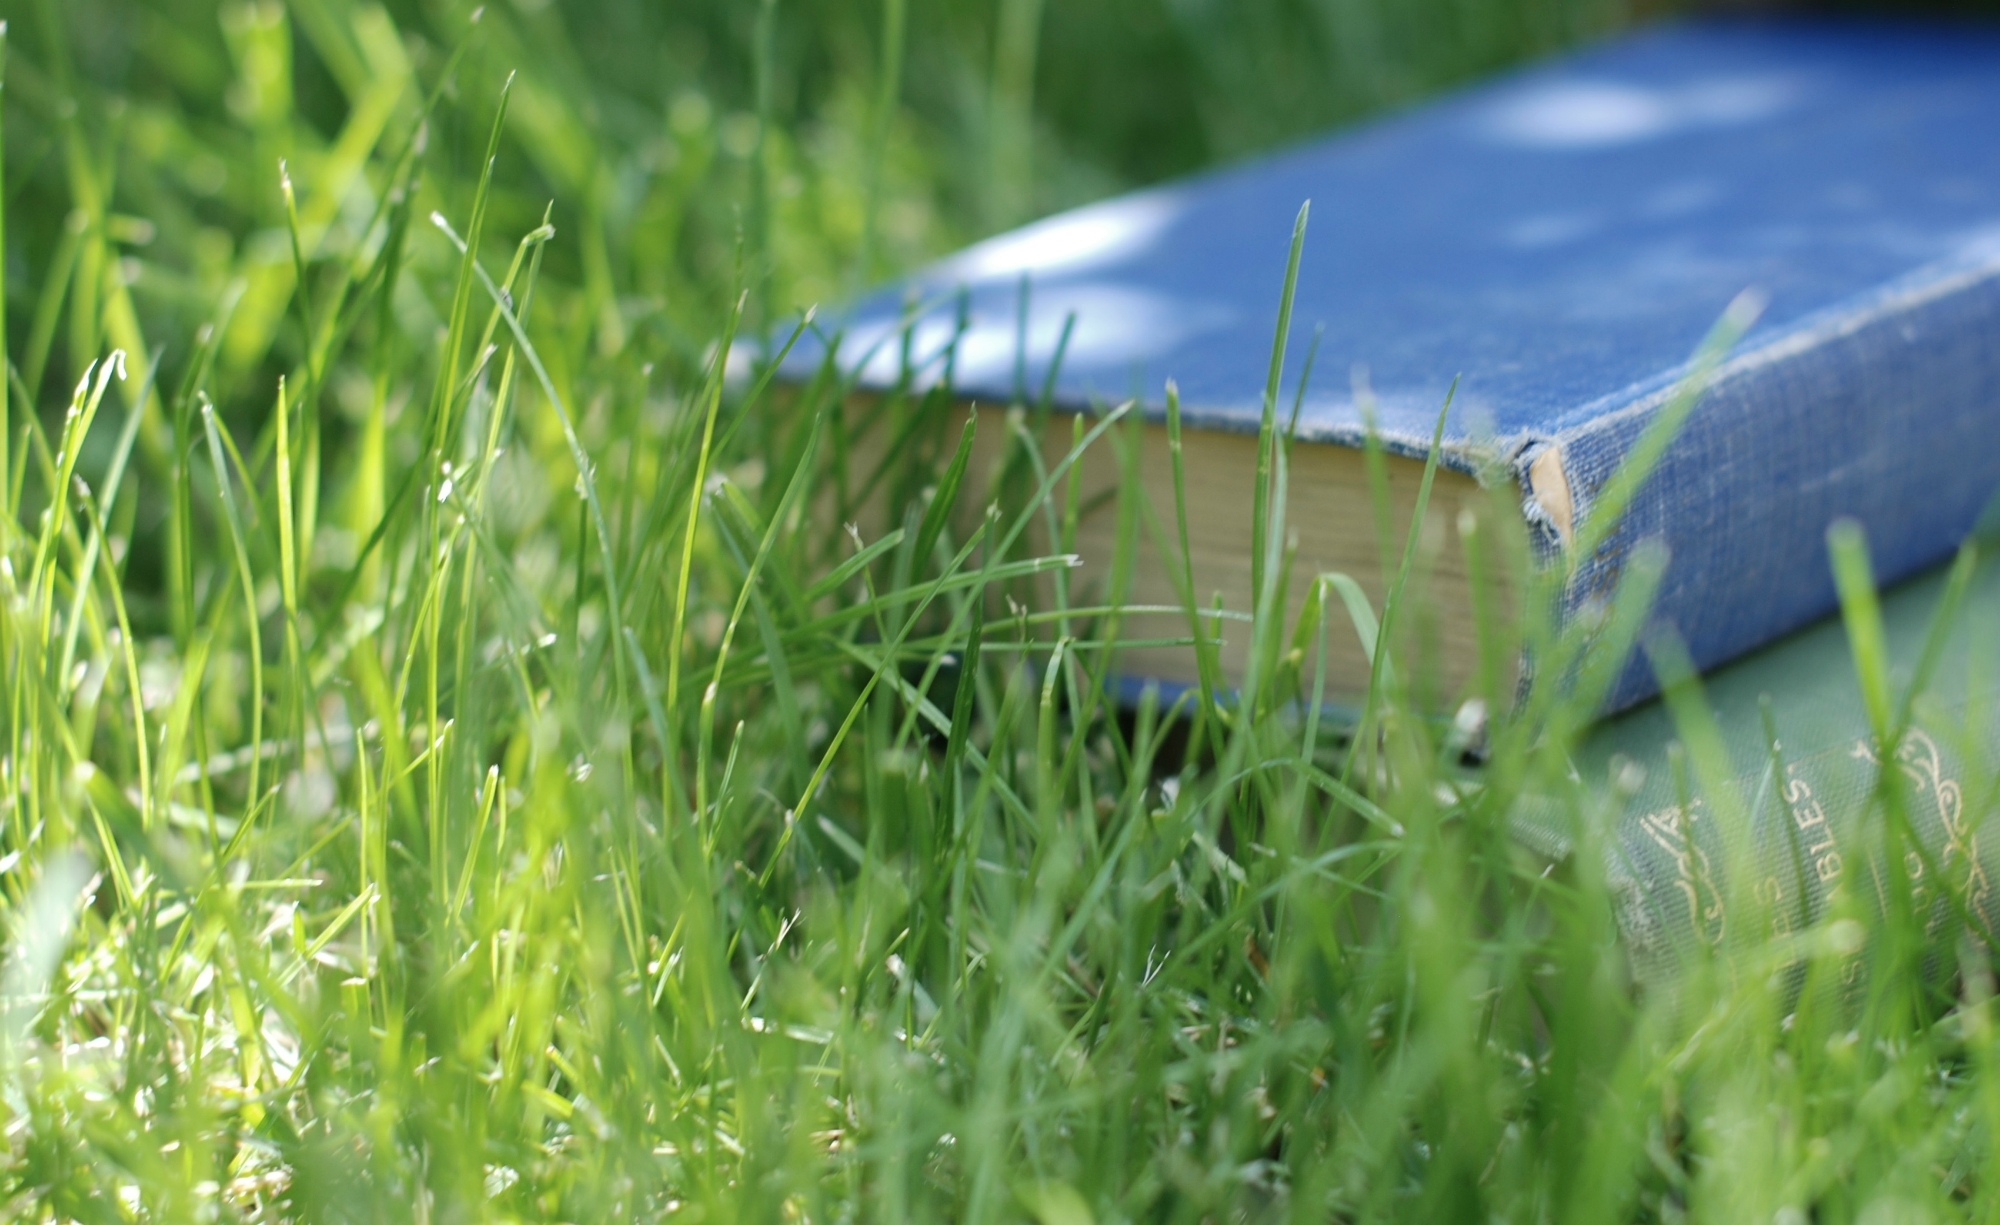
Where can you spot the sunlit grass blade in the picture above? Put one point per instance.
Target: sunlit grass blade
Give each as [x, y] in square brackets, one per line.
[1267, 425]
[246, 583]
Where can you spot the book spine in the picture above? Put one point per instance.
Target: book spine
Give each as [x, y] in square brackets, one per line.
[1818, 841]
[1884, 410]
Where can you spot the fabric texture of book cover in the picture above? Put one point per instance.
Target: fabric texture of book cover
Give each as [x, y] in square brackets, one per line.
[1561, 240]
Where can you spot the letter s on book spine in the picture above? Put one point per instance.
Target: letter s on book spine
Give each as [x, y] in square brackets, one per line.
[1820, 843]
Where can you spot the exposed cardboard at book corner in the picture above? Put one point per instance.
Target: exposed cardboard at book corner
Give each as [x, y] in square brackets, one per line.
[1561, 239]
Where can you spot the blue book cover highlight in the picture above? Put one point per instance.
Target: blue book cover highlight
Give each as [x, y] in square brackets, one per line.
[1561, 240]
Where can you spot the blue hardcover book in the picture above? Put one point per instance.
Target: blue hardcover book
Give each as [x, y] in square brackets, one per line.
[1561, 240]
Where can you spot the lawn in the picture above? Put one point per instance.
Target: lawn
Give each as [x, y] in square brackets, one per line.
[460, 765]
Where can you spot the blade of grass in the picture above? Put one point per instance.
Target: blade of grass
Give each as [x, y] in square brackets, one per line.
[1267, 439]
[1392, 602]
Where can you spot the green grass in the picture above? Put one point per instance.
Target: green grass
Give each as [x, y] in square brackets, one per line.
[458, 767]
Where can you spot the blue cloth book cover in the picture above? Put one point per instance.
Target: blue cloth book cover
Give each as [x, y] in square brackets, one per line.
[1560, 240]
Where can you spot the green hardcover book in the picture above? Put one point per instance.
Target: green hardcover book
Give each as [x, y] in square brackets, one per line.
[1806, 822]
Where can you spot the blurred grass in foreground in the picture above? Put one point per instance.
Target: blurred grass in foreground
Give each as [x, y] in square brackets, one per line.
[457, 767]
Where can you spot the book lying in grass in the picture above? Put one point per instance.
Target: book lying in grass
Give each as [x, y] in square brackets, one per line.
[1561, 240]
[1768, 816]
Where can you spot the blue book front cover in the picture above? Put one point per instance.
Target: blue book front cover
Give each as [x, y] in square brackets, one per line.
[1561, 240]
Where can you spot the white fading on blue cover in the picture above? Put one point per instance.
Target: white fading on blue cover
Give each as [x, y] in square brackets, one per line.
[1562, 239]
